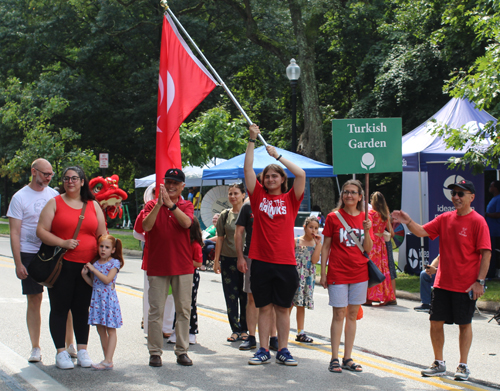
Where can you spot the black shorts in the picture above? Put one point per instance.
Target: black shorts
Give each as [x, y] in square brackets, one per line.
[273, 283]
[451, 307]
[30, 286]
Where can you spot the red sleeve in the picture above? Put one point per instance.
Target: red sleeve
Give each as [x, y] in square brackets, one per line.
[433, 227]
[327, 231]
[149, 207]
[196, 250]
[138, 223]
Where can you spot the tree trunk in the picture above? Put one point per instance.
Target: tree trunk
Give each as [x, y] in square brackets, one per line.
[311, 143]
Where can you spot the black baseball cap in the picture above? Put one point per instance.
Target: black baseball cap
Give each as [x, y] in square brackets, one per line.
[175, 174]
[464, 184]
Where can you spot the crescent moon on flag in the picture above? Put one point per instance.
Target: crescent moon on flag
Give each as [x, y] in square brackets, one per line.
[170, 91]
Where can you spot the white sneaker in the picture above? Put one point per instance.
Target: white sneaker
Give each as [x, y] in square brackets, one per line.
[36, 355]
[83, 359]
[72, 351]
[172, 339]
[63, 360]
[192, 339]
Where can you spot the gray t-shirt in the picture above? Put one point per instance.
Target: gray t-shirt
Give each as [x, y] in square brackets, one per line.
[226, 225]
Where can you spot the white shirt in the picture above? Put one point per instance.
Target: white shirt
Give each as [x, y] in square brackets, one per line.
[26, 205]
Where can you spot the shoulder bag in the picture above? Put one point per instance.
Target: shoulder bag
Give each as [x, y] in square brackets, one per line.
[375, 276]
[47, 264]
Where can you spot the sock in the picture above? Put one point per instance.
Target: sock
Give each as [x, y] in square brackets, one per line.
[465, 365]
[441, 362]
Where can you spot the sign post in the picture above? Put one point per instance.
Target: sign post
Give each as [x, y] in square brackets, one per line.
[103, 162]
[364, 146]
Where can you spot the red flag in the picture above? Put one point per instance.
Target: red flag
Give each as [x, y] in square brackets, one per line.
[183, 83]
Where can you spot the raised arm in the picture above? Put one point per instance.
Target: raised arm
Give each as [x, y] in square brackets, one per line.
[404, 218]
[299, 184]
[250, 177]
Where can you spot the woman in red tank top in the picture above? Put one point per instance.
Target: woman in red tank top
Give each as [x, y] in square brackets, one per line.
[56, 227]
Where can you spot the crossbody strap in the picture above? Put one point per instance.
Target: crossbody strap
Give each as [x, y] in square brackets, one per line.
[80, 220]
[350, 232]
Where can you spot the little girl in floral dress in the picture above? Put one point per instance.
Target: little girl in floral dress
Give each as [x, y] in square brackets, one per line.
[307, 253]
[104, 309]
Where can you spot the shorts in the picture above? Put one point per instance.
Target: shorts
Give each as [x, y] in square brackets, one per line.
[246, 279]
[451, 307]
[273, 283]
[30, 286]
[343, 295]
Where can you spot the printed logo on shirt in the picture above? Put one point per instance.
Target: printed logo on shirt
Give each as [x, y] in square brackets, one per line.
[346, 239]
[38, 205]
[463, 232]
[273, 207]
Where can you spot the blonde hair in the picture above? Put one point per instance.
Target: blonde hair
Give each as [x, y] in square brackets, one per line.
[379, 205]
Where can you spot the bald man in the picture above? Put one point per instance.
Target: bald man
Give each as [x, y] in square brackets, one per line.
[24, 211]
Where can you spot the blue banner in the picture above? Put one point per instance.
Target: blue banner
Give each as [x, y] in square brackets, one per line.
[439, 177]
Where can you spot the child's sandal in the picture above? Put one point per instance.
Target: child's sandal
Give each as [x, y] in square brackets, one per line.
[350, 365]
[335, 366]
[303, 338]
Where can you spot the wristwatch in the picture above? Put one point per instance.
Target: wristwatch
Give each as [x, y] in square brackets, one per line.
[481, 282]
[174, 207]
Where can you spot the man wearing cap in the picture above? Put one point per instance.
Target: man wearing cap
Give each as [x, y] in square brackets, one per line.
[167, 221]
[465, 253]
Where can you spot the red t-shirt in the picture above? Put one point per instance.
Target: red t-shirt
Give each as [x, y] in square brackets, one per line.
[346, 262]
[196, 253]
[138, 228]
[460, 240]
[169, 245]
[274, 219]
[64, 226]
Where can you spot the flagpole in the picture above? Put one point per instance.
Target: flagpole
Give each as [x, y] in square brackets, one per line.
[221, 82]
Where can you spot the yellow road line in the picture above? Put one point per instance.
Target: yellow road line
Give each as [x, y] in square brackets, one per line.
[375, 363]
[8, 266]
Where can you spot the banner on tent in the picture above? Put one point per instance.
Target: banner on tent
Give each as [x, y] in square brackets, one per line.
[440, 196]
[414, 254]
[365, 146]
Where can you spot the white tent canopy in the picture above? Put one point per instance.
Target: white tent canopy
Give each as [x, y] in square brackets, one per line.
[193, 175]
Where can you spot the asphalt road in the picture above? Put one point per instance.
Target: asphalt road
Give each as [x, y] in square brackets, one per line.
[392, 344]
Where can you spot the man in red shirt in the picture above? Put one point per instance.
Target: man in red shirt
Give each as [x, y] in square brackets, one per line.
[465, 252]
[167, 221]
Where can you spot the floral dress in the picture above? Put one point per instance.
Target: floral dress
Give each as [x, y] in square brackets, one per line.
[104, 305]
[382, 292]
[307, 275]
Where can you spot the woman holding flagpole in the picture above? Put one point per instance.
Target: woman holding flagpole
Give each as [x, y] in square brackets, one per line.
[273, 278]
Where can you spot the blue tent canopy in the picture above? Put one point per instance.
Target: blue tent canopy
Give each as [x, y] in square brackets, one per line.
[421, 144]
[233, 168]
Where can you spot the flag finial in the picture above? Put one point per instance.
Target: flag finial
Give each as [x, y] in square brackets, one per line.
[164, 4]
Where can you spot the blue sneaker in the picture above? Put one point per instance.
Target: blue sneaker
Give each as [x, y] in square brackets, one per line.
[284, 357]
[261, 357]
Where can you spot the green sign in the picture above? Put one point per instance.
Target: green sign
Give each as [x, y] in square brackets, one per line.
[369, 145]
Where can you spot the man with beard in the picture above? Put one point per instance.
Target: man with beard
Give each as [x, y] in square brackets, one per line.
[24, 211]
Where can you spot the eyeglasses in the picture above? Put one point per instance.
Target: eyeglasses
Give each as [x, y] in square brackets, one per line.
[71, 179]
[347, 192]
[45, 174]
[458, 193]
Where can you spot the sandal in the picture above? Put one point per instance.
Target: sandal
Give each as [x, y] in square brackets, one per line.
[303, 338]
[234, 337]
[102, 366]
[335, 366]
[244, 336]
[352, 366]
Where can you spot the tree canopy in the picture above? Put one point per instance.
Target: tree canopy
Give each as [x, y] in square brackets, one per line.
[80, 77]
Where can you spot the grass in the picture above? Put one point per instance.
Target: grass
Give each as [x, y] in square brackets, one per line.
[4, 229]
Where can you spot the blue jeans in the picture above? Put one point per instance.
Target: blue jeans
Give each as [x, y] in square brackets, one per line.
[426, 283]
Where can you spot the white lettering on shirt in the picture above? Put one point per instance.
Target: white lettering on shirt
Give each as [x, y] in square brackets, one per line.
[272, 207]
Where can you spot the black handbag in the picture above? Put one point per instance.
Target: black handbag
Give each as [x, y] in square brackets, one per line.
[375, 276]
[47, 264]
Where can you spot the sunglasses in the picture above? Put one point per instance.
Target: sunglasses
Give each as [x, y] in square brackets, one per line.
[458, 193]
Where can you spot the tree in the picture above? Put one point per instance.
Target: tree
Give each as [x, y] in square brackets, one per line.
[22, 115]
